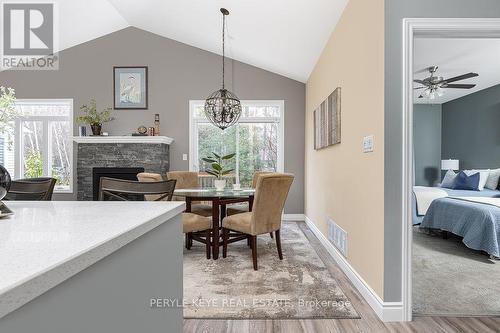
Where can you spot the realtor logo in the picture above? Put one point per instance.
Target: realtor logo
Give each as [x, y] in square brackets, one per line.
[28, 33]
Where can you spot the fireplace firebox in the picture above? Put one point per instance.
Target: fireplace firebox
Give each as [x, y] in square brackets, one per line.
[114, 172]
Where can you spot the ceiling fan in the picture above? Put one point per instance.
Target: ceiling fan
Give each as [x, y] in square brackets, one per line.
[434, 85]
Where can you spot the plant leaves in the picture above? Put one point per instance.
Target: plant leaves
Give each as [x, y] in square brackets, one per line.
[208, 160]
[216, 166]
[216, 155]
[213, 173]
[225, 172]
[227, 157]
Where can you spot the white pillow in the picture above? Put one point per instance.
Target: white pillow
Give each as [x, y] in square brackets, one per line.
[448, 179]
[493, 177]
[483, 177]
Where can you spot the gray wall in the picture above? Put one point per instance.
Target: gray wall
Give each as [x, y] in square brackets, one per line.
[395, 11]
[471, 129]
[427, 143]
[177, 74]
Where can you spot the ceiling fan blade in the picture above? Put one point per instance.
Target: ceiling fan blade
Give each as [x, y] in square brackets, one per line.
[460, 86]
[419, 81]
[419, 88]
[461, 77]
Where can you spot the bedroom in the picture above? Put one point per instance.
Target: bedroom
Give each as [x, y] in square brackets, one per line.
[456, 196]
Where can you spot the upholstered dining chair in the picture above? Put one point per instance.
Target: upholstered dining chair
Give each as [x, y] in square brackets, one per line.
[194, 226]
[270, 196]
[32, 189]
[243, 207]
[189, 179]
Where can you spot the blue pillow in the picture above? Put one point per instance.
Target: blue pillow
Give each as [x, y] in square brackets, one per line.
[464, 182]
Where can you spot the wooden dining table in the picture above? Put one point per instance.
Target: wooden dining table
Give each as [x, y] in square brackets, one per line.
[219, 200]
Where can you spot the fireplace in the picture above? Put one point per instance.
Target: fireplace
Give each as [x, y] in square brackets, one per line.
[117, 156]
[121, 173]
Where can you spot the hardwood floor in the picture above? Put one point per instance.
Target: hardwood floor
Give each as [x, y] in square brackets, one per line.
[369, 321]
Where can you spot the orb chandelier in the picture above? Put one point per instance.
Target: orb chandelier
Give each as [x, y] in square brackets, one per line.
[222, 107]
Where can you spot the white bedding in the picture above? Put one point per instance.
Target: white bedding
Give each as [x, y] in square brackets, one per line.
[425, 195]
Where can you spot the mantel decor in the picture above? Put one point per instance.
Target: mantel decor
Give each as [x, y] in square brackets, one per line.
[130, 87]
[223, 108]
[327, 121]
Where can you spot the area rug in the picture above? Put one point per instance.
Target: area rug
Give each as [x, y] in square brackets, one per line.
[297, 287]
[450, 279]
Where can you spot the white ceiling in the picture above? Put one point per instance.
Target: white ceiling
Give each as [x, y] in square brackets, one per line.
[456, 56]
[84, 20]
[283, 36]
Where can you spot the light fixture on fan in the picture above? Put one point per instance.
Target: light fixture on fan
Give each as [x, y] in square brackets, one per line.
[222, 107]
[434, 85]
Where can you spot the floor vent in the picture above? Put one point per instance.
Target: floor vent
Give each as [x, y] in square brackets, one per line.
[337, 236]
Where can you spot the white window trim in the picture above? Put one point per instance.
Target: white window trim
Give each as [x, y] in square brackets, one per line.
[18, 137]
[193, 135]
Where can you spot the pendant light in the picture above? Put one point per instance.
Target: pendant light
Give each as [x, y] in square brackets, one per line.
[222, 107]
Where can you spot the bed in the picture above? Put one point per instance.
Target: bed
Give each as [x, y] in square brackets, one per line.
[419, 216]
[476, 219]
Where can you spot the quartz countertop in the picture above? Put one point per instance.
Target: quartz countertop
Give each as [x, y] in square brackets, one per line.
[45, 243]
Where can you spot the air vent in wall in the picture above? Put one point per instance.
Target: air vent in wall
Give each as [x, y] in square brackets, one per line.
[337, 236]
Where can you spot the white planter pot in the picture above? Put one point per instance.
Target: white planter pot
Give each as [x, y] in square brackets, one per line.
[220, 184]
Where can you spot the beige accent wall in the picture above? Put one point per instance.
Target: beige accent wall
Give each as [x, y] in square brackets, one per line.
[341, 181]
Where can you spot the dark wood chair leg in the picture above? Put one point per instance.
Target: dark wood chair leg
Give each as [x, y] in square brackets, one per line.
[278, 244]
[208, 248]
[190, 240]
[253, 241]
[186, 241]
[271, 234]
[225, 233]
[249, 241]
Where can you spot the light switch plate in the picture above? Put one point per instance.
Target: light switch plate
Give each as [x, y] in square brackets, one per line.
[368, 144]
[184, 157]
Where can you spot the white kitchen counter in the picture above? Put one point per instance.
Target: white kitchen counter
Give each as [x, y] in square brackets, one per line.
[45, 243]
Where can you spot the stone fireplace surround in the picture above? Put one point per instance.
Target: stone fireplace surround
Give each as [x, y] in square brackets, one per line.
[150, 153]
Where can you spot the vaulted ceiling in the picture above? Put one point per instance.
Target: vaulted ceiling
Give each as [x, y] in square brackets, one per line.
[457, 56]
[283, 36]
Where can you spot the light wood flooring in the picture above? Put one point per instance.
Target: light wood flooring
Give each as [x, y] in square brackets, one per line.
[369, 321]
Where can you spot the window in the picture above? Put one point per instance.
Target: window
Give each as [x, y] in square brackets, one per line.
[39, 144]
[257, 139]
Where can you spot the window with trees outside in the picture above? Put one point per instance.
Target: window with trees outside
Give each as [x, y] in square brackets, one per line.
[39, 142]
[257, 139]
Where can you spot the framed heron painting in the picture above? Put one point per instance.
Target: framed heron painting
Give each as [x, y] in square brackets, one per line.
[130, 87]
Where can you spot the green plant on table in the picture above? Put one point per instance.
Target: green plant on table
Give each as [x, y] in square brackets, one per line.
[216, 162]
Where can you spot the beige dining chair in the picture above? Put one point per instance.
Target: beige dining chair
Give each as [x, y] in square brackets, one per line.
[194, 226]
[185, 179]
[271, 192]
[243, 207]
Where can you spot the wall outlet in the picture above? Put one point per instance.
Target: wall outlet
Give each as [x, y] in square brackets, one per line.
[184, 157]
[368, 144]
[337, 236]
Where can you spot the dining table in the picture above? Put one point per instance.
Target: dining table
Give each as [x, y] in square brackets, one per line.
[219, 200]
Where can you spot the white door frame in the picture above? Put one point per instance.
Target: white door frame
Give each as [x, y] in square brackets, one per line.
[437, 28]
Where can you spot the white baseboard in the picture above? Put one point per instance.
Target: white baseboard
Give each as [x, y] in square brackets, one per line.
[386, 311]
[294, 217]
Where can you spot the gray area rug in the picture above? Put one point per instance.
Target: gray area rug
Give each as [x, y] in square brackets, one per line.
[299, 286]
[452, 280]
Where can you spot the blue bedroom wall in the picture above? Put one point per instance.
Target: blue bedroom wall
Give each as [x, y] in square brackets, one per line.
[471, 129]
[427, 143]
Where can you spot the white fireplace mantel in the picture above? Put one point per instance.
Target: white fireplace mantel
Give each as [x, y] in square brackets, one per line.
[123, 139]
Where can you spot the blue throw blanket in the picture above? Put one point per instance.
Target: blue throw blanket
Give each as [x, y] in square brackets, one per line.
[477, 223]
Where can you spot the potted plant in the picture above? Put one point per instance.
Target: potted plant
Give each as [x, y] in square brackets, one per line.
[94, 118]
[217, 169]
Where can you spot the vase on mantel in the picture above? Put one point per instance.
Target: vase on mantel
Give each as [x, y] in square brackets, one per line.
[96, 129]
